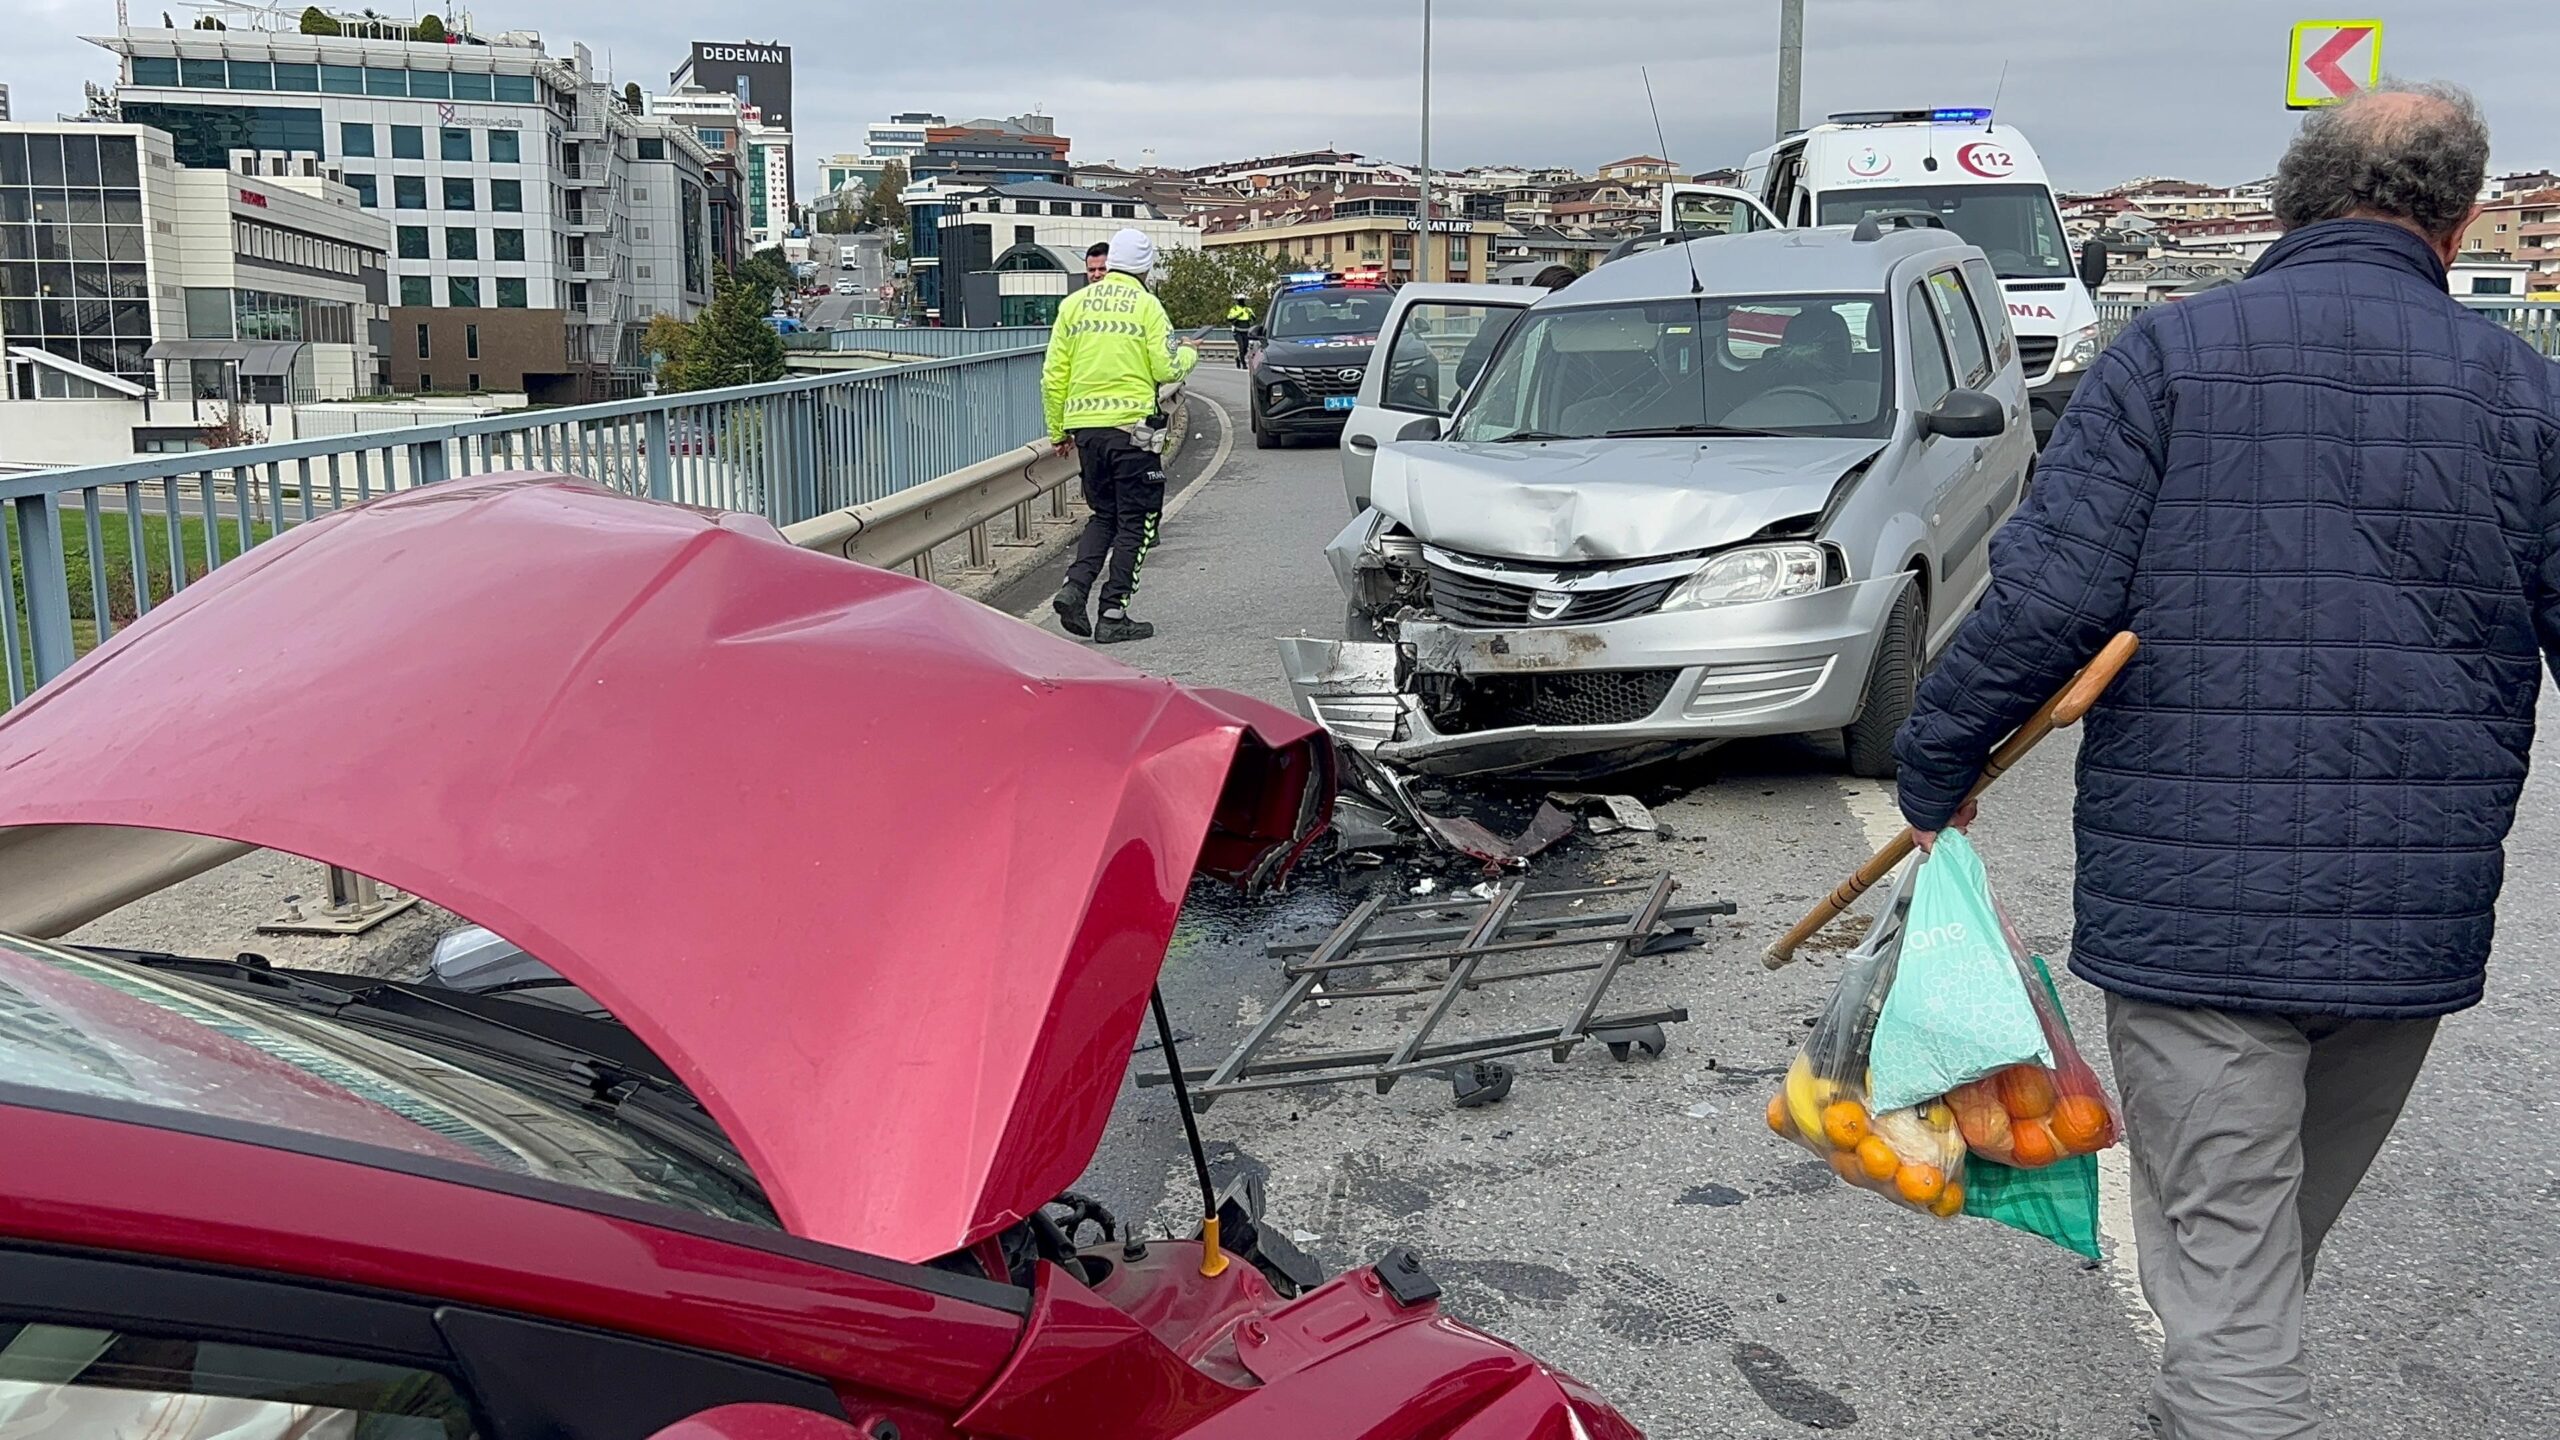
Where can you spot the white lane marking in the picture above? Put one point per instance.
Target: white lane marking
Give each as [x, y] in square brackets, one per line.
[1870, 803]
[1217, 462]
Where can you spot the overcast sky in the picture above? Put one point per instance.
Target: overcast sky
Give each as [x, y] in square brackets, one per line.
[2107, 91]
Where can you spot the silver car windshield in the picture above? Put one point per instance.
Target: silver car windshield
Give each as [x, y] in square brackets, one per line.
[1753, 365]
[2015, 225]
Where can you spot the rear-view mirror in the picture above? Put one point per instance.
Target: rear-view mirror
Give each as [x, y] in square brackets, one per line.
[2093, 262]
[1965, 415]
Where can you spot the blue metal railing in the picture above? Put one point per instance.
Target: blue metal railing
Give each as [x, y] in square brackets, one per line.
[923, 342]
[92, 548]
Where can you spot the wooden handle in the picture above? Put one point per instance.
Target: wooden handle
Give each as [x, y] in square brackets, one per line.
[2060, 712]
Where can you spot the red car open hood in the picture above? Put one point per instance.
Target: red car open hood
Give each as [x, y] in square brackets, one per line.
[883, 874]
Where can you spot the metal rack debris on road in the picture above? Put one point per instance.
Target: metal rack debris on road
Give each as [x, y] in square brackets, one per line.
[1404, 950]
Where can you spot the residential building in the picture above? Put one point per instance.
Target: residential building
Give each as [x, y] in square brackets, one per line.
[1526, 250]
[1641, 171]
[900, 136]
[1300, 172]
[2246, 235]
[2487, 275]
[1623, 205]
[504, 171]
[1368, 225]
[1008, 254]
[2521, 182]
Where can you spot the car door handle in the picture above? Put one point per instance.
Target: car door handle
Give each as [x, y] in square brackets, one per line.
[1362, 444]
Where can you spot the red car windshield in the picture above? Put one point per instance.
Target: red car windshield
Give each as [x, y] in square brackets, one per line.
[87, 1025]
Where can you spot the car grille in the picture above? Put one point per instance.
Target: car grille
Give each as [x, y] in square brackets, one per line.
[2035, 354]
[1583, 697]
[1466, 599]
[1321, 383]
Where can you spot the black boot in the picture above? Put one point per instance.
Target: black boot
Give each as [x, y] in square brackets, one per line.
[1070, 607]
[1116, 627]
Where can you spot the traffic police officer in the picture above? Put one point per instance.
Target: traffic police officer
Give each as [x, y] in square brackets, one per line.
[1108, 352]
[1240, 319]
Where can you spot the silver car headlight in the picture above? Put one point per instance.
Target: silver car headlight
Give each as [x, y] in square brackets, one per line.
[1755, 572]
[2078, 350]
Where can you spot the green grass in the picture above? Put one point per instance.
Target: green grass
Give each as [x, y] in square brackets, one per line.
[115, 560]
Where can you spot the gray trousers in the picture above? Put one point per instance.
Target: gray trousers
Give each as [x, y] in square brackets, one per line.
[2246, 1135]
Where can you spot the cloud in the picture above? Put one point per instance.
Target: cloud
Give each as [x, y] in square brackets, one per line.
[2188, 87]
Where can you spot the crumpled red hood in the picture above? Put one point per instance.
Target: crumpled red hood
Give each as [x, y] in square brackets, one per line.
[883, 874]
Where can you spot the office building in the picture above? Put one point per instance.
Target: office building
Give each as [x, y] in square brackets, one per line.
[758, 75]
[979, 153]
[163, 296]
[712, 115]
[507, 175]
[4, 104]
[900, 136]
[1007, 255]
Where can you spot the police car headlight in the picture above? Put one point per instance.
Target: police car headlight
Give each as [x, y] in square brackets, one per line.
[2078, 350]
[1755, 572]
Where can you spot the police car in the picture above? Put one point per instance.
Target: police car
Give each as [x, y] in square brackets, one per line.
[1310, 351]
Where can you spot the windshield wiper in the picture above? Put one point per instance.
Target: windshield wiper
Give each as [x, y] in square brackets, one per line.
[1649, 431]
[1519, 435]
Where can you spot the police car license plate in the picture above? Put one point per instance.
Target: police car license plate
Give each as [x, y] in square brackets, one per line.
[1340, 402]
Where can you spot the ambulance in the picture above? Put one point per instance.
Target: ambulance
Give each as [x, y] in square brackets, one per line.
[1980, 180]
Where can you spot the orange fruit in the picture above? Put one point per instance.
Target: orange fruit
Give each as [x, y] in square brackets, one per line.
[1844, 1163]
[1986, 1128]
[2081, 1124]
[2031, 1145]
[1950, 1201]
[1844, 1124]
[1877, 1159]
[1778, 1116]
[1920, 1184]
[2026, 1091]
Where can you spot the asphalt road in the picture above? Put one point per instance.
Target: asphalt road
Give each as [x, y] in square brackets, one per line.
[1636, 1223]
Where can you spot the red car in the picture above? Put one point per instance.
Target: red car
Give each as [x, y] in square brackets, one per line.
[874, 884]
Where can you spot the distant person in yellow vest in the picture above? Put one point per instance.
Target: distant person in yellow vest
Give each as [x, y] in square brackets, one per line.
[1240, 320]
[1109, 350]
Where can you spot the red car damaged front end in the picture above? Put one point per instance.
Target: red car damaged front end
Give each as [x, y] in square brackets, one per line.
[1169, 1352]
[884, 880]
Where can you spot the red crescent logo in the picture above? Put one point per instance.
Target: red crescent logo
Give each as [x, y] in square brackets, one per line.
[1987, 160]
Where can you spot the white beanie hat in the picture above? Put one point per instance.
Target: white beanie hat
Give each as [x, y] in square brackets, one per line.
[1132, 252]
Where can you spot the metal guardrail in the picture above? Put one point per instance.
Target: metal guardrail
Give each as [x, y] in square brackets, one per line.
[2537, 321]
[115, 540]
[922, 342]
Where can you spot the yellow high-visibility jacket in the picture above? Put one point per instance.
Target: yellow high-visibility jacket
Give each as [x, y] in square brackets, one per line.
[1109, 350]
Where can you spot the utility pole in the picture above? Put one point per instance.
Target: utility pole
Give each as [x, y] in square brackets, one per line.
[1422, 237]
[1790, 67]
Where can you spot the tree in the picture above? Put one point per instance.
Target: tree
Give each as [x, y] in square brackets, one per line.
[631, 96]
[883, 208]
[430, 31]
[1197, 286]
[316, 21]
[669, 341]
[209, 23]
[730, 344]
[767, 276]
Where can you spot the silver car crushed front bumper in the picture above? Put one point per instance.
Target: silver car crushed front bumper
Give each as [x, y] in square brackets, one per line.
[1773, 667]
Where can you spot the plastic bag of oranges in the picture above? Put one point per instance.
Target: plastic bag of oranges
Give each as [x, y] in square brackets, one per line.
[1913, 1156]
[2029, 1116]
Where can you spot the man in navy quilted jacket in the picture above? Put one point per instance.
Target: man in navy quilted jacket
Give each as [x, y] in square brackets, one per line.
[2328, 501]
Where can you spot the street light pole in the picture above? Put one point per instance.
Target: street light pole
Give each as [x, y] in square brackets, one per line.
[1422, 238]
[1790, 67]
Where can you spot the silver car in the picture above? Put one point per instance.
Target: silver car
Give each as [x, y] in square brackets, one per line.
[1740, 486]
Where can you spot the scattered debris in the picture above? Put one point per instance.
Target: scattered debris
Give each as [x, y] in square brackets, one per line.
[1618, 812]
[1381, 811]
[1501, 932]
